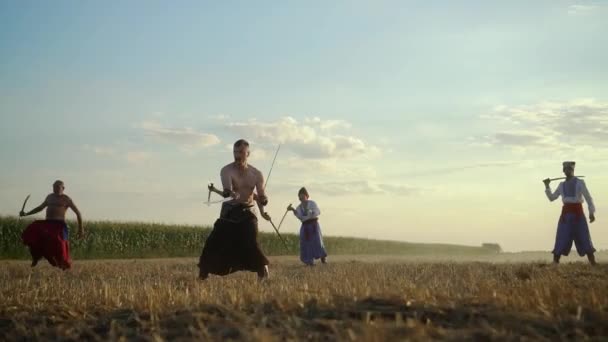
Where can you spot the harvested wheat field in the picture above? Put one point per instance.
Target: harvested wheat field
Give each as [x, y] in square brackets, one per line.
[348, 299]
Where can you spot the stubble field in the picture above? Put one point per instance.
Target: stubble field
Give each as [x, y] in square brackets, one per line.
[350, 298]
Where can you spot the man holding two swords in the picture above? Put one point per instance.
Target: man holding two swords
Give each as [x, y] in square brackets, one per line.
[572, 225]
[232, 245]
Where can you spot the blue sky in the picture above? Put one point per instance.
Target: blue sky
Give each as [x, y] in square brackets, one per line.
[419, 121]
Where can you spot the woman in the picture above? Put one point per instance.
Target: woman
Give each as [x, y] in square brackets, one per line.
[311, 240]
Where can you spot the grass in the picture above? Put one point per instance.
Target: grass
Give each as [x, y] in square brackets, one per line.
[106, 239]
[351, 298]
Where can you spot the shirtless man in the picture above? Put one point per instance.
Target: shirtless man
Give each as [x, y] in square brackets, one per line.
[240, 179]
[56, 204]
[49, 238]
[232, 245]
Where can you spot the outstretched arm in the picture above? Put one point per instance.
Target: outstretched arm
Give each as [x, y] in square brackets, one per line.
[35, 210]
[78, 217]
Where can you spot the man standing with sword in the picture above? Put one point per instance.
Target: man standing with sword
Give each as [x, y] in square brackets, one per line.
[232, 245]
[572, 225]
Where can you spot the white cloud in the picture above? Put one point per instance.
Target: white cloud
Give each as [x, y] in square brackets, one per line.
[137, 156]
[310, 139]
[113, 153]
[362, 187]
[100, 150]
[581, 8]
[327, 124]
[550, 125]
[187, 138]
[219, 117]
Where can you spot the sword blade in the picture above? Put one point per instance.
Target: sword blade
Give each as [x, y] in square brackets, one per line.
[281, 222]
[279, 234]
[559, 178]
[23, 206]
[271, 166]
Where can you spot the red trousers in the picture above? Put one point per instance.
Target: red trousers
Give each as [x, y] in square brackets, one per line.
[48, 239]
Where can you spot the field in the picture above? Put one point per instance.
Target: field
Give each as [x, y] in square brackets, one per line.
[369, 298]
[123, 240]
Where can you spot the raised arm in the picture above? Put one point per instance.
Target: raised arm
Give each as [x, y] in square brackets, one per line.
[313, 209]
[552, 196]
[298, 212]
[74, 208]
[589, 199]
[35, 210]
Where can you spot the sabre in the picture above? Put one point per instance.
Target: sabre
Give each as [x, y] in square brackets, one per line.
[560, 178]
[286, 211]
[212, 188]
[279, 234]
[209, 186]
[272, 165]
[23, 206]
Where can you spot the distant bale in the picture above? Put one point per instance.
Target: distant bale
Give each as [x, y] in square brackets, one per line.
[493, 247]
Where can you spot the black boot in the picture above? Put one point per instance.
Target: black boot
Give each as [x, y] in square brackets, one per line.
[263, 273]
[591, 258]
[202, 274]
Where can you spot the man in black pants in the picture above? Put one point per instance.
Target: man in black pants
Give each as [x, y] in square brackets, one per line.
[232, 245]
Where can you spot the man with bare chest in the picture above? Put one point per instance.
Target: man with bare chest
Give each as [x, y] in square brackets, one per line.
[49, 238]
[232, 245]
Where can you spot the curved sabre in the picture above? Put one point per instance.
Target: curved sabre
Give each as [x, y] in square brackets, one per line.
[24, 203]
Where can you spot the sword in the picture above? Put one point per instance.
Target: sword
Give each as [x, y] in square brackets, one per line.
[213, 189]
[209, 194]
[560, 178]
[272, 165]
[279, 234]
[23, 206]
[286, 211]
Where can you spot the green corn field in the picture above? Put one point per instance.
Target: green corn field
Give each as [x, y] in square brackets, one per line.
[109, 240]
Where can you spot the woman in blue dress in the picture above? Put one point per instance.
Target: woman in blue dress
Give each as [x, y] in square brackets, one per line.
[311, 239]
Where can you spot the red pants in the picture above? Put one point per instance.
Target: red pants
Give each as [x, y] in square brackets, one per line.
[48, 239]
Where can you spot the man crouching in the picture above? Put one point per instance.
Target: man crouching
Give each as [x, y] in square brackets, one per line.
[49, 238]
[232, 245]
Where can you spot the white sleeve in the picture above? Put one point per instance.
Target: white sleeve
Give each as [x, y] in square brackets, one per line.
[552, 196]
[298, 213]
[588, 198]
[314, 208]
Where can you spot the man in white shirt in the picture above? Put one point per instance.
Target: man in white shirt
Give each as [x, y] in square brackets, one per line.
[572, 225]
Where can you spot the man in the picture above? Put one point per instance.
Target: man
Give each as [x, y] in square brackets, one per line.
[232, 245]
[49, 238]
[572, 225]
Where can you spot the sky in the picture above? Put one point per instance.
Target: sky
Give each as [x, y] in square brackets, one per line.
[428, 121]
